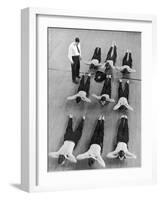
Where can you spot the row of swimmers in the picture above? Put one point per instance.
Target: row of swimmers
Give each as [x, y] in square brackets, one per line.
[94, 151]
[105, 95]
[110, 61]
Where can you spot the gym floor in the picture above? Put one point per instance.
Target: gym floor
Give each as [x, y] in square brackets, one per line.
[60, 86]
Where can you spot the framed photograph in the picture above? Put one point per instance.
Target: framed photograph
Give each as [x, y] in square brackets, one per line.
[85, 81]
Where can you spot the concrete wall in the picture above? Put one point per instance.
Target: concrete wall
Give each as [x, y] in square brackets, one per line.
[60, 86]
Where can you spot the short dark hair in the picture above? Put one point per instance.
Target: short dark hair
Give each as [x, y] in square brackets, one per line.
[103, 98]
[121, 154]
[61, 159]
[92, 66]
[78, 99]
[77, 39]
[91, 161]
[107, 65]
[122, 108]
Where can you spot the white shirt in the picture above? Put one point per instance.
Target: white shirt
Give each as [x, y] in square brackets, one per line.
[122, 102]
[81, 94]
[110, 63]
[73, 51]
[95, 62]
[66, 150]
[121, 146]
[93, 152]
[129, 69]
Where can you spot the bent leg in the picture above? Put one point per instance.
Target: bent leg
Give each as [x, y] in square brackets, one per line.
[78, 131]
[81, 85]
[69, 129]
[126, 91]
[124, 61]
[109, 54]
[94, 139]
[120, 90]
[126, 131]
[97, 54]
[107, 87]
[130, 60]
[87, 85]
[114, 56]
[120, 134]
[101, 135]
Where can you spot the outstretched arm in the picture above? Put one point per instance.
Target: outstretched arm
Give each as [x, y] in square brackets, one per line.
[129, 69]
[111, 100]
[71, 158]
[130, 155]
[129, 107]
[72, 97]
[120, 68]
[101, 161]
[117, 106]
[108, 98]
[87, 62]
[95, 96]
[101, 65]
[83, 156]
[57, 153]
[112, 154]
[54, 154]
[86, 99]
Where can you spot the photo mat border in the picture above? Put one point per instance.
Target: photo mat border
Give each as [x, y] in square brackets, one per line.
[28, 88]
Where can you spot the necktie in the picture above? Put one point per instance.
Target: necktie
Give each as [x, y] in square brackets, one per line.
[77, 48]
[127, 56]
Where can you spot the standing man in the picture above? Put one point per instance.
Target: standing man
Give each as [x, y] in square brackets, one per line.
[74, 55]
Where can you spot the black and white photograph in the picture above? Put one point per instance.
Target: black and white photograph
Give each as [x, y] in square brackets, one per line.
[94, 99]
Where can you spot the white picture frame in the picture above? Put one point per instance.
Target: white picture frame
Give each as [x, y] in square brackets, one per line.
[34, 175]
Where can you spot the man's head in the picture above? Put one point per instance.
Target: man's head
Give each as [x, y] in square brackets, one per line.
[125, 71]
[77, 40]
[78, 99]
[122, 108]
[61, 159]
[91, 161]
[121, 155]
[107, 65]
[103, 100]
[92, 66]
